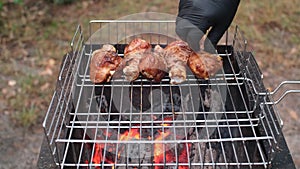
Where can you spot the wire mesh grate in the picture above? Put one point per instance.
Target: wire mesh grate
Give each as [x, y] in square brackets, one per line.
[220, 122]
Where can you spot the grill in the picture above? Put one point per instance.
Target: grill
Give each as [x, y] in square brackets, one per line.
[228, 121]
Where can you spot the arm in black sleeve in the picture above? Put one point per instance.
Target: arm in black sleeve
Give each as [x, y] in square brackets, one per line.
[195, 17]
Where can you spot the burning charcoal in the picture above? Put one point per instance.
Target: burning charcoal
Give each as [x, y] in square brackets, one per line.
[213, 100]
[132, 153]
[166, 153]
[102, 103]
[135, 154]
[154, 99]
[140, 98]
[173, 101]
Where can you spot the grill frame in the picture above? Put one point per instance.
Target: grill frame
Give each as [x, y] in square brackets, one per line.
[63, 107]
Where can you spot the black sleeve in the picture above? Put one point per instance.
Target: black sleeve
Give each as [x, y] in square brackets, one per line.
[203, 14]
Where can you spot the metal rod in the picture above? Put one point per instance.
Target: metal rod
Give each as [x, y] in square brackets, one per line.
[278, 89]
[78, 30]
[166, 141]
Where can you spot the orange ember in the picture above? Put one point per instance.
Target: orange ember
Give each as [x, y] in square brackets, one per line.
[98, 157]
[159, 150]
[128, 135]
[163, 152]
[183, 157]
[165, 124]
[167, 121]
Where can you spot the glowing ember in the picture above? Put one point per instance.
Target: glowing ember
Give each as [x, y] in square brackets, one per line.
[159, 150]
[163, 152]
[129, 135]
[165, 124]
[183, 157]
[97, 159]
[98, 155]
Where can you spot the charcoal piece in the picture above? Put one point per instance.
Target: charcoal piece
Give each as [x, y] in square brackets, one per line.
[134, 154]
[201, 152]
[169, 97]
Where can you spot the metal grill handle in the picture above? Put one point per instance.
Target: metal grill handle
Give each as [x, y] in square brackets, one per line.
[278, 88]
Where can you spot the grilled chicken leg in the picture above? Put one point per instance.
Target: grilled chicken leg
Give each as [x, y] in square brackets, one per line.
[104, 63]
[152, 65]
[133, 53]
[176, 55]
[204, 64]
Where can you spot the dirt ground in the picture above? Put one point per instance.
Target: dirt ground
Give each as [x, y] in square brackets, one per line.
[35, 35]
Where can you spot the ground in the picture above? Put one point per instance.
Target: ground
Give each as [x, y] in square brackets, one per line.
[36, 34]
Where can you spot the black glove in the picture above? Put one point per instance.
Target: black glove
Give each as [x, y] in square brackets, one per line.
[195, 17]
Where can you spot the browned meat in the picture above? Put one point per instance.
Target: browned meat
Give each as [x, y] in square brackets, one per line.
[176, 56]
[204, 64]
[159, 49]
[152, 65]
[104, 63]
[133, 53]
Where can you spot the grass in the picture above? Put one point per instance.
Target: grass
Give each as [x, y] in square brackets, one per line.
[273, 31]
[32, 34]
[28, 100]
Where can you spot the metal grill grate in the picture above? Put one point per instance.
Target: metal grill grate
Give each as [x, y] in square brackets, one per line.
[220, 122]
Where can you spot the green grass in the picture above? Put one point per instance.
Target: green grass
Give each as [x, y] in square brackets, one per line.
[28, 116]
[272, 29]
[18, 2]
[27, 102]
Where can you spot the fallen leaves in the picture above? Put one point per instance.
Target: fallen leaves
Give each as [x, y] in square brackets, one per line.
[48, 71]
[45, 86]
[294, 115]
[8, 93]
[12, 83]
[49, 65]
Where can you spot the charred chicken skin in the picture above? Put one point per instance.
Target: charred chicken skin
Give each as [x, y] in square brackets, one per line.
[204, 64]
[133, 53]
[152, 65]
[104, 63]
[176, 55]
[138, 58]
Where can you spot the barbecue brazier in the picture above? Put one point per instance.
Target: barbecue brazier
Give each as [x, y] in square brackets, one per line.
[228, 121]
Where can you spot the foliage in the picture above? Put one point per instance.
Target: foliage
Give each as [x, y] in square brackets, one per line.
[19, 2]
[62, 1]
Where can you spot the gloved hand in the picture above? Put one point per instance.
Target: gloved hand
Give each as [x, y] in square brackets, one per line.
[195, 17]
